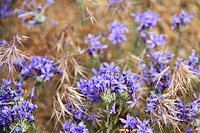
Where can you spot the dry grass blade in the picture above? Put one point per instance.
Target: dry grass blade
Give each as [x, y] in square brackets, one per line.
[69, 65]
[165, 112]
[159, 76]
[181, 81]
[10, 55]
[90, 16]
[64, 40]
[78, 69]
[63, 95]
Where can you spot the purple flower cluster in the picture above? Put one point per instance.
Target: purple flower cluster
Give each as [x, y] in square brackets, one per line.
[34, 15]
[189, 130]
[132, 122]
[112, 81]
[158, 63]
[147, 19]
[96, 47]
[155, 40]
[6, 9]
[78, 114]
[42, 69]
[14, 109]
[117, 32]
[181, 19]
[151, 103]
[103, 68]
[191, 63]
[73, 128]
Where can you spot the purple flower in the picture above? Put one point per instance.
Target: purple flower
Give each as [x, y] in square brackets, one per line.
[130, 121]
[143, 36]
[143, 128]
[5, 9]
[104, 68]
[191, 64]
[66, 126]
[133, 102]
[151, 103]
[155, 40]
[13, 107]
[73, 128]
[34, 15]
[40, 68]
[96, 47]
[181, 19]
[147, 19]
[6, 82]
[2, 42]
[78, 113]
[117, 32]
[112, 110]
[189, 130]
[158, 62]
[111, 80]
[112, 1]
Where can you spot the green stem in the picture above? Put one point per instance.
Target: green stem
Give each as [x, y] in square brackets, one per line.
[108, 116]
[179, 42]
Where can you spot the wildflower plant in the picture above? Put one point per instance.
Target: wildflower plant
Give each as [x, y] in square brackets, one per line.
[147, 19]
[181, 19]
[16, 113]
[109, 87]
[40, 69]
[117, 32]
[34, 14]
[96, 47]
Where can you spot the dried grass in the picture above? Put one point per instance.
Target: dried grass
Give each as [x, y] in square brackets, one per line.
[10, 55]
[181, 81]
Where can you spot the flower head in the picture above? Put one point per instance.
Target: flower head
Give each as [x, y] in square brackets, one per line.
[155, 40]
[117, 32]
[143, 128]
[147, 19]
[181, 19]
[6, 9]
[96, 47]
[34, 15]
[130, 121]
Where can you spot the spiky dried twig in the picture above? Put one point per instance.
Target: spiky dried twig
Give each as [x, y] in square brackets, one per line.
[10, 55]
[181, 81]
[64, 94]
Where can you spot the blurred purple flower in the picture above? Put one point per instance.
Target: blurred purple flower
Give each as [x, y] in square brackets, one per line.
[5, 9]
[155, 40]
[96, 47]
[117, 32]
[147, 19]
[181, 19]
[34, 15]
[189, 130]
